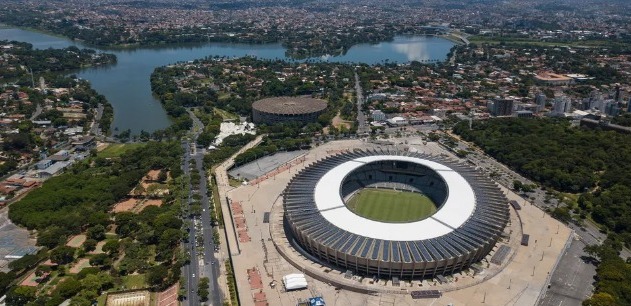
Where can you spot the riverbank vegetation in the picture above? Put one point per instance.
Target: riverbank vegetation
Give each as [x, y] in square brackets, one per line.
[54, 60]
[300, 41]
[233, 84]
[216, 86]
[43, 108]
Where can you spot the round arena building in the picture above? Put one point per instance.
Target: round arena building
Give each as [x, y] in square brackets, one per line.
[287, 109]
[394, 214]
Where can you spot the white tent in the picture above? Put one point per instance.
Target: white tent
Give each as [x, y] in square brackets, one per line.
[295, 281]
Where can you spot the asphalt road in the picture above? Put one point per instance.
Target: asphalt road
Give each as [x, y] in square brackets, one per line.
[362, 127]
[95, 128]
[572, 280]
[209, 264]
[37, 112]
[202, 257]
[190, 271]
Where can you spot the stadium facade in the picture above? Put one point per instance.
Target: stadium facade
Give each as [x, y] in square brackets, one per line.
[472, 214]
[287, 109]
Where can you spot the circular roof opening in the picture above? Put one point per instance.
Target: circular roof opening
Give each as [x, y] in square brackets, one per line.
[393, 191]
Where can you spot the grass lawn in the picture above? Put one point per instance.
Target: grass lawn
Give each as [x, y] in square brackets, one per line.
[225, 114]
[391, 206]
[235, 183]
[117, 149]
[134, 281]
[101, 300]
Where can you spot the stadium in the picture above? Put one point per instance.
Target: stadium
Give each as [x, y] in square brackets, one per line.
[287, 109]
[393, 214]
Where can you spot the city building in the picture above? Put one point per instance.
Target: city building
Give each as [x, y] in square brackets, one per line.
[287, 109]
[549, 78]
[612, 109]
[397, 121]
[540, 101]
[561, 106]
[43, 164]
[472, 213]
[378, 115]
[524, 114]
[503, 107]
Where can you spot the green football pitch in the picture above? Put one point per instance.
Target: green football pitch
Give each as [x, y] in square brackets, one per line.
[391, 206]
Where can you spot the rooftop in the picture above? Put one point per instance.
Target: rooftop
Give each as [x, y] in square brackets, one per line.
[289, 105]
[457, 209]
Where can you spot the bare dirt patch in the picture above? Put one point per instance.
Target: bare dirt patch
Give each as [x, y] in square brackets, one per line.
[82, 263]
[338, 122]
[30, 280]
[126, 205]
[76, 241]
[143, 204]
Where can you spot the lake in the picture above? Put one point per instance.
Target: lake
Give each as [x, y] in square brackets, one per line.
[126, 84]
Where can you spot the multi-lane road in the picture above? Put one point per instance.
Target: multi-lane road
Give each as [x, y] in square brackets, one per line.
[362, 124]
[209, 266]
[191, 270]
[203, 262]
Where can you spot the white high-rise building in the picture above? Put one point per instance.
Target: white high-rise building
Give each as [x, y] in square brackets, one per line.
[540, 100]
[562, 105]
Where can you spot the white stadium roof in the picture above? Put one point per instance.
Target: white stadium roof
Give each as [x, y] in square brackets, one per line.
[457, 208]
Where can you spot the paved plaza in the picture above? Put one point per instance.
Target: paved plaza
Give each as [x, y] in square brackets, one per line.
[519, 280]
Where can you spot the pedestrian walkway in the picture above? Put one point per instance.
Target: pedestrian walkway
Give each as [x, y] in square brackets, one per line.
[256, 285]
[239, 221]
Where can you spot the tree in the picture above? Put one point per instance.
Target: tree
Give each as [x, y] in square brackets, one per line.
[517, 185]
[162, 177]
[21, 295]
[202, 289]
[84, 298]
[170, 238]
[600, 299]
[89, 245]
[156, 275]
[62, 255]
[562, 214]
[96, 232]
[25, 262]
[5, 280]
[68, 288]
[42, 269]
[111, 247]
[51, 237]
[126, 223]
[97, 282]
[433, 137]
[462, 153]
[100, 260]
[87, 271]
